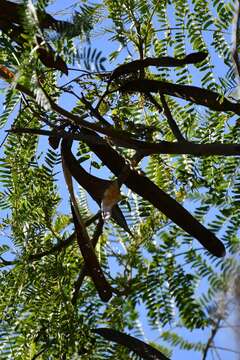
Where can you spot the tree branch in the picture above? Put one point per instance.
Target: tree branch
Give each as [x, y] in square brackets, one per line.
[171, 122]
[211, 338]
[7, 262]
[194, 94]
[63, 244]
[85, 245]
[147, 148]
[144, 187]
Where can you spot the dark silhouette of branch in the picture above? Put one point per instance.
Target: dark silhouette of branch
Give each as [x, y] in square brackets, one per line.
[147, 148]
[194, 94]
[142, 349]
[95, 186]
[94, 111]
[171, 122]
[83, 272]
[158, 198]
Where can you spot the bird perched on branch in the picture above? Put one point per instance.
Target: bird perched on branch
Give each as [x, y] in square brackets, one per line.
[105, 192]
[145, 188]
[111, 196]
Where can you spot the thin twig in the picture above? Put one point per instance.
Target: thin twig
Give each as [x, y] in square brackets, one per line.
[39, 353]
[211, 338]
[63, 244]
[4, 139]
[171, 122]
[214, 351]
[94, 112]
[225, 349]
[56, 248]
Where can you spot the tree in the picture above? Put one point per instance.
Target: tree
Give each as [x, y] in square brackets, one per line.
[73, 284]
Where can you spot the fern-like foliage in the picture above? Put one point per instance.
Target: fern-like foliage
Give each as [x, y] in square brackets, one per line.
[161, 279]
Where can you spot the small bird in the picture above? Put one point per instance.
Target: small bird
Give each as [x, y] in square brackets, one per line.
[105, 192]
[111, 196]
[145, 188]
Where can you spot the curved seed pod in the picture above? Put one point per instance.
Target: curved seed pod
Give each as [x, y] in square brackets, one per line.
[142, 349]
[95, 186]
[86, 247]
[164, 61]
[194, 94]
[144, 187]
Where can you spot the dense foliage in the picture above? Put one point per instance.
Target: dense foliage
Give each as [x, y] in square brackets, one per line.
[165, 119]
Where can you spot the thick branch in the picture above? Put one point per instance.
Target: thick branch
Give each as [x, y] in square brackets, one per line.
[163, 147]
[158, 198]
[194, 94]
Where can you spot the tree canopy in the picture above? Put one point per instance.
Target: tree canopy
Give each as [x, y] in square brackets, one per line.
[120, 177]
